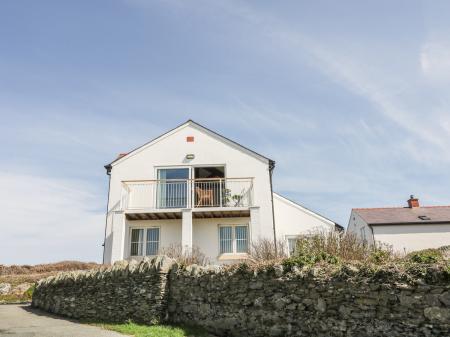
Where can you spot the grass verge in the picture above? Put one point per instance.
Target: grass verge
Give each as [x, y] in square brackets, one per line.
[140, 330]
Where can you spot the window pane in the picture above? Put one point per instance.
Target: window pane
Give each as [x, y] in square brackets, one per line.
[292, 245]
[172, 194]
[241, 239]
[226, 239]
[152, 241]
[137, 242]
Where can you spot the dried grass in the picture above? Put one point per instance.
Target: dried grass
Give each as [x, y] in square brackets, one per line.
[46, 268]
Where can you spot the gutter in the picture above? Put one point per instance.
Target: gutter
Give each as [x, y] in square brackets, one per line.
[108, 173]
[410, 223]
[271, 168]
[338, 227]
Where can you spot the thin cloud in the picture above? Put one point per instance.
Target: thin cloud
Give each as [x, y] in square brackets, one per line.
[47, 220]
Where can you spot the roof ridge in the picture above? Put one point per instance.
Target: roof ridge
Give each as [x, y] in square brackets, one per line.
[398, 207]
[388, 207]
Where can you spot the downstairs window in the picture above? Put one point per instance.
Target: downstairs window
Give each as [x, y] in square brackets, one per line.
[144, 241]
[233, 239]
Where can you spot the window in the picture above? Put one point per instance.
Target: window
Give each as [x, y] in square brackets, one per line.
[152, 241]
[363, 234]
[137, 242]
[172, 188]
[241, 239]
[233, 239]
[151, 236]
[292, 245]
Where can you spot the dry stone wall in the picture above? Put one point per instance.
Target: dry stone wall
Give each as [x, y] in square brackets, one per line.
[135, 291]
[270, 301]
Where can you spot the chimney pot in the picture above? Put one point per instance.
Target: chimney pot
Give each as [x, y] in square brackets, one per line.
[413, 202]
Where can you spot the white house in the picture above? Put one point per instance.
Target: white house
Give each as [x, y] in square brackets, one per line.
[405, 229]
[194, 187]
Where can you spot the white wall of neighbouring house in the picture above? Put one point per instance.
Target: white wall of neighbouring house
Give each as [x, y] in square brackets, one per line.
[171, 150]
[360, 228]
[408, 238]
[292, 219]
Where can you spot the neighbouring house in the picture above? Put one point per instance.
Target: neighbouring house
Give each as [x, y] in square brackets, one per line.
[405, 229]
[193, 187]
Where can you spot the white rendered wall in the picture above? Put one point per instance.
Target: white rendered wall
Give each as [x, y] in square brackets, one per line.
[357, 226]
[292, 219]
[171, 151]
[408, 238]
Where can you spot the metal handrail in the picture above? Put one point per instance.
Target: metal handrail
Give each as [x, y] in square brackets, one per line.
[187, 193]
[193, 179]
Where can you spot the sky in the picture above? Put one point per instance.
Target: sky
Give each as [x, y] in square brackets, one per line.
[350, 98]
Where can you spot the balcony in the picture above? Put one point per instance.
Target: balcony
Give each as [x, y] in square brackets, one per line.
[164, 199]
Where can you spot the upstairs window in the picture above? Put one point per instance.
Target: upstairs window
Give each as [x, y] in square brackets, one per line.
[233, 239]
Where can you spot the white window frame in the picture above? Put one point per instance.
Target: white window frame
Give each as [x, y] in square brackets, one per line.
[291, 237]
[141, 243]
[144, 248]
[233, 238]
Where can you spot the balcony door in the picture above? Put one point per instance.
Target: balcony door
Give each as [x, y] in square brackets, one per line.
[209, 188]
[172, 188]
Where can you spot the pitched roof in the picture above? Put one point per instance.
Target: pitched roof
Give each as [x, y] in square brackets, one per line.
[201, 127]
[404, 215]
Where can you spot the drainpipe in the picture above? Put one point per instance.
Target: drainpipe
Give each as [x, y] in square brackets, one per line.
[373, 235]
[108, 173]
[271, 167]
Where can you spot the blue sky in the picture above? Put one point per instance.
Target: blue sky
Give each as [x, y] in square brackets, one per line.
[349, 98]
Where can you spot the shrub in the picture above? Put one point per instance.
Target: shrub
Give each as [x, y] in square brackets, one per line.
[426, 256]
[335, 247]
[379, 255]
[29, 292]
[264, 250]
[185, 258]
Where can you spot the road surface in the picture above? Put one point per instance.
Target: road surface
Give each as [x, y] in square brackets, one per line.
[24, 321]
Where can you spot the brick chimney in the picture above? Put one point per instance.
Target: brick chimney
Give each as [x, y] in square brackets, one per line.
[413, 202]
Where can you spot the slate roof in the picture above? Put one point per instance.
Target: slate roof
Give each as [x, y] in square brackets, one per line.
[404, 215]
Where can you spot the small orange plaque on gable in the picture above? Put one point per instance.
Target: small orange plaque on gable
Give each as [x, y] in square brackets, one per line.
[190, 139]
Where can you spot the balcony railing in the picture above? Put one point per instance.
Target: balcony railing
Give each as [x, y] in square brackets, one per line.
[187, 193]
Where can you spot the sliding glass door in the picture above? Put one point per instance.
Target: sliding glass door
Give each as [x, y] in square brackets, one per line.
[172, 188]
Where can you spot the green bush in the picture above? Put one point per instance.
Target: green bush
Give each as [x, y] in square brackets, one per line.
[303, 259]
[379, 256]
[29, 292]
[426, 256]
